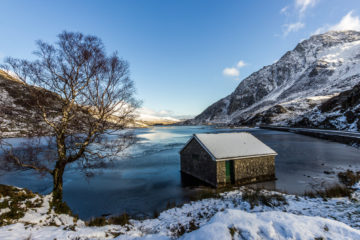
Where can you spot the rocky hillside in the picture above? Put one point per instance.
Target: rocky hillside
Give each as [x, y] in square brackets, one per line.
[340, 112]
[317, 70]
[18, 111]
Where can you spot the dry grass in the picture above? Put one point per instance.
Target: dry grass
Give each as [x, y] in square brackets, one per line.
[333, 191]
[256, 198]
[123, 219]
[349, 178]
[5, 75]
[180, 229]
[18, 201]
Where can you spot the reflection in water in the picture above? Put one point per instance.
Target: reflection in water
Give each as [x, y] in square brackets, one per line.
[190, 181]
[148, 176]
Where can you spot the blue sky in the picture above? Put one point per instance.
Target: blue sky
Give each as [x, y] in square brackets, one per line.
[183, 54]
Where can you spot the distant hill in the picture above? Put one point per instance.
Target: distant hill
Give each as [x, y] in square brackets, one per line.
[149, 118]
[317, 70]
[18, 116]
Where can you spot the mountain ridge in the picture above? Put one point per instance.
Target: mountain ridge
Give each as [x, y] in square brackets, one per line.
[317, 69]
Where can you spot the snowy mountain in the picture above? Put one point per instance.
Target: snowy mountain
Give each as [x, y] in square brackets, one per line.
[150, 117]
[318, 69]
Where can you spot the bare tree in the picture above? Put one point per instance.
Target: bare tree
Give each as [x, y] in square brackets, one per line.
[82, 99]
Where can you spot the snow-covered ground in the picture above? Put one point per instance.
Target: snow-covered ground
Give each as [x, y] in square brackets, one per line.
[238, 224]
[228, 217]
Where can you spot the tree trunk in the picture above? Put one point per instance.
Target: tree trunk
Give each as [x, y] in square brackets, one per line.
[57, 201]
[58, 183]
[58, 173]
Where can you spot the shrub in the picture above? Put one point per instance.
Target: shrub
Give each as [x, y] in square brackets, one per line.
[336, 190]
[61, 207]
[310, 194]
[333, 191]
[122, 220]
[178, 230]
[98, 222]
[255, 198]
[211, 193]
[16, 198]
[34, 204]
[349, 177]
[192, 226]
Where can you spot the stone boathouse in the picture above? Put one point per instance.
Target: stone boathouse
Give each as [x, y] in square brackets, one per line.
[228, 158]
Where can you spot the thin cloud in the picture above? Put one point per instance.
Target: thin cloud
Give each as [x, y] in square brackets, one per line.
[241, 64]
[299, 8]
[292, 27]
[302, 5]
[347, 22]
[284, 10]
[231, 72]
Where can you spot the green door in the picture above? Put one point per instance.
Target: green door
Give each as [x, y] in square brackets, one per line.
[227, 165]
[229, 169]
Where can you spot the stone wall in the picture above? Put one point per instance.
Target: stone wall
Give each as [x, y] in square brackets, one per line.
[254, 169]
[221, 173]
[248, 170]
[203, 168]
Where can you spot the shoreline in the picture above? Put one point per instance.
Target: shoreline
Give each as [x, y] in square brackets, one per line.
[346, 137]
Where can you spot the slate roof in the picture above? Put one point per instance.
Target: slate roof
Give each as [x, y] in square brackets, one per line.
[223, 146]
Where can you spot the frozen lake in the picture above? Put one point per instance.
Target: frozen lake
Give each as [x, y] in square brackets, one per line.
[149, 177]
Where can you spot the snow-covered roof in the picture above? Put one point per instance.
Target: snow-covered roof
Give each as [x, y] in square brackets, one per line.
[223, 146]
